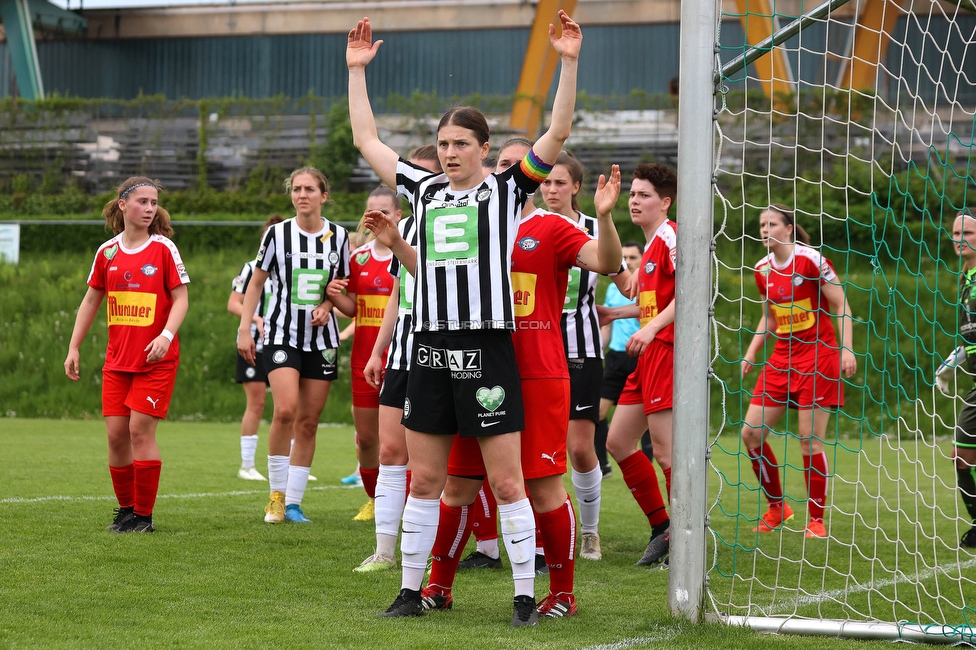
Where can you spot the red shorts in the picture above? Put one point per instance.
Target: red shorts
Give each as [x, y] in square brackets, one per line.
[812, 383]
[546, 404]
[364, 396]
[652, 384]
[144, 392]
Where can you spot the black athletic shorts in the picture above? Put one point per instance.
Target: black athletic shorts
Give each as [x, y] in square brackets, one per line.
[464, 382]
[318, 364]
[247, 373]
[393, 392]
[966, 424]
[617, 366]
[585, 379]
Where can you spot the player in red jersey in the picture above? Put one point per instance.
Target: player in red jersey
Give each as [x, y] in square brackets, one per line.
[548, 245]
[645, 402]
[369, 287]
[804, 370]
[142, 273]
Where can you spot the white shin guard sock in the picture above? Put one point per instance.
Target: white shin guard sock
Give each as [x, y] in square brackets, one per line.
[420, 519]
[278, 473]
[249, 448]
[518, 533]
[391, 491]
[588, 487]
[297, 480]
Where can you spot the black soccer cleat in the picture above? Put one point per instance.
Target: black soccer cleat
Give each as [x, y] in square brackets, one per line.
[525, 614]
[122, 515]
[478, 560]
[968, 539]
[137, 524]
[541, 568]
[407, 603]
[657, 549]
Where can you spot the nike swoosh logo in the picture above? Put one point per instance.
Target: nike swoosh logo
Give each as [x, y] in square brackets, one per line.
[583, 408]
[407, 532]
[519, 541]
[590, 500]
[485, 425]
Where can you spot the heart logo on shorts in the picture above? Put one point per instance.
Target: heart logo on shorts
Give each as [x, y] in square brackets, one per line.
[490, 398]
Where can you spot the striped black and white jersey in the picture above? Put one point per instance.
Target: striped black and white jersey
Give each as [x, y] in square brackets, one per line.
[239, 285]
[464, 245]
[580, 322]
[398, 354]
[300, 265]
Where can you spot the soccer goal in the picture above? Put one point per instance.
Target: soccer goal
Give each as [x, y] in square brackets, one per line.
[860, 116]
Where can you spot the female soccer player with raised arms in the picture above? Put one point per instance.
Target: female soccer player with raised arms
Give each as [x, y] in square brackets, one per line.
[301, 255]
[804, 370]
[464, 377]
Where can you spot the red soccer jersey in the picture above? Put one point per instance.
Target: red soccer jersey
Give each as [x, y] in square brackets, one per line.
[794, 299]
[137, 284]
[370, 280]
[656, 277]
[546, 247]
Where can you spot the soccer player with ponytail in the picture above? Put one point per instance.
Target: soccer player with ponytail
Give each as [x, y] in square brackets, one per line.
[141, 272]
[804, 370]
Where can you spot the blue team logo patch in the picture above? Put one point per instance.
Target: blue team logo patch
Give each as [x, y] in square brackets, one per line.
[797, 280]
[148, 270]
[528, 243]
[649, 267]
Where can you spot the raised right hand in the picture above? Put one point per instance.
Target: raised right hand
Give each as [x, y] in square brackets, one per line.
[360, 48]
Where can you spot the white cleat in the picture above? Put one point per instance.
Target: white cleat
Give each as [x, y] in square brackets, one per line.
[250, 474]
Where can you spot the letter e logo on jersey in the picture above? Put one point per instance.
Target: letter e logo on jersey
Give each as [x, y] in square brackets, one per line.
[490, 398]
[452, 234]
[308, 286]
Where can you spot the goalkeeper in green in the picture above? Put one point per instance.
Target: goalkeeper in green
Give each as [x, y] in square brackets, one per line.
[964, 238]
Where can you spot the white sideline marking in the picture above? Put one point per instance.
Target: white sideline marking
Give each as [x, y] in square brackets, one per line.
[661, 634]
[835, 594]
[196, 495]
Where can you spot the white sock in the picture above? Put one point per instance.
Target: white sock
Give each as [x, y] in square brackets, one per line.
[249, 447]
[489, 547]
[297, 480]
[588, 487]
[420, 519]
[518, 533]
[391, 490]
[278, 473]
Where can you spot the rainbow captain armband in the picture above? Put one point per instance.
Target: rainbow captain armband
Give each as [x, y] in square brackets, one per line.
[534, 167]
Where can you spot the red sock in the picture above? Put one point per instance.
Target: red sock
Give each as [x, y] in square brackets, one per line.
[409, 475]
[816, 476]
[484, 514]
[766, 467]
[147, 485]
[558, 530]
[640, 477]
[453, 531]
[123, 482]
[369, 480]
[667, 480]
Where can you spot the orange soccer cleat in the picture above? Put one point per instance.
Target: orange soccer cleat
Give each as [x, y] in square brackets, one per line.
[816, 530]
[775, 517]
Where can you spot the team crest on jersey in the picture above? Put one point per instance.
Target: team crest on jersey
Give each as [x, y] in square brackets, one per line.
[483, 195]
[528, 243]
[361, 258]
[329, 355]
[333, 257]
[148, 270]
[649, 267]
[797, 280]
[280, 357]
[109, 253]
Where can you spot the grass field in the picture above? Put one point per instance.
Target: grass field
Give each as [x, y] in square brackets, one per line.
[214, 575]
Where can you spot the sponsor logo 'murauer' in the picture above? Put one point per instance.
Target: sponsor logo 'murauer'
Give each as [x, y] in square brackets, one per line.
[134, 308]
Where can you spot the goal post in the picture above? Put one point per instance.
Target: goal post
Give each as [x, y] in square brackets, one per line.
[874, 148]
